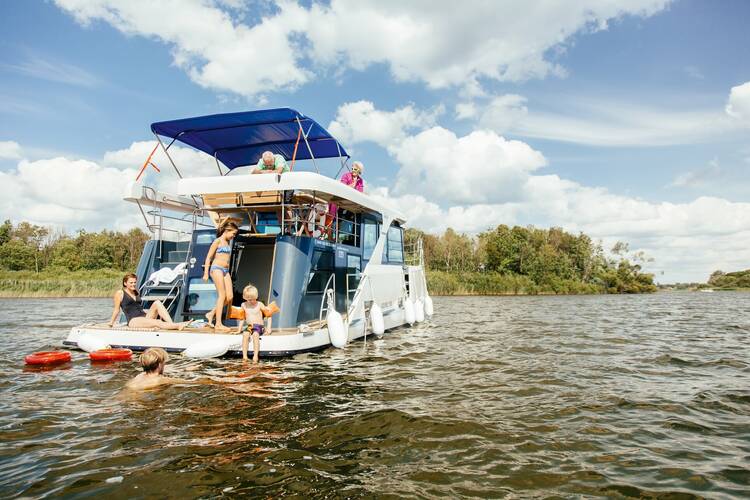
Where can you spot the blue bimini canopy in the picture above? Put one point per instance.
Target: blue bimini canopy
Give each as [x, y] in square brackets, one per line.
[239, 139]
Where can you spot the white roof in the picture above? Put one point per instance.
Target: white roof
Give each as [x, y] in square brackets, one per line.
[300, 181]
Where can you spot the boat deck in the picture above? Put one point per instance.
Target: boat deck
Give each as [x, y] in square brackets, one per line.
[189, 329]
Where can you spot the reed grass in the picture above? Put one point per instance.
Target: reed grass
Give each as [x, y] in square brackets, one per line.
[60, 283]
[104, 282]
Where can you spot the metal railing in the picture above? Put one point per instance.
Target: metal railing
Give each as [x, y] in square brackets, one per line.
[328, 288]
[414, 253]
[353, 290]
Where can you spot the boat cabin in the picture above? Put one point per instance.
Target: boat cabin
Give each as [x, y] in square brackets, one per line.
[301, 233]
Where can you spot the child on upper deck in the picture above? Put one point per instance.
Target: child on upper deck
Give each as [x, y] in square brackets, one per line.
[253, 309]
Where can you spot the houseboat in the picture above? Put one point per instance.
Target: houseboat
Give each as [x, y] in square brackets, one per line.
[332, 258]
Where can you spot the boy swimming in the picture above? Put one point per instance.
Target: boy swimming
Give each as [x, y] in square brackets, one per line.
[152, 360]
[255, 323]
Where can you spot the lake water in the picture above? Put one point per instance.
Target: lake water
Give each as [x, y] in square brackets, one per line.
[495, 396]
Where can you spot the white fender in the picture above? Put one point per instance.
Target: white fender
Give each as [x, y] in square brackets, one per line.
[409, 315]
[212, 348]
[337, 330]
[419, 311]
[91, 343]
[428, 307]
[376, 320]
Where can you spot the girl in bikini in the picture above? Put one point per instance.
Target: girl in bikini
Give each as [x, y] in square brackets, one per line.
[129, 301]
[217, 266]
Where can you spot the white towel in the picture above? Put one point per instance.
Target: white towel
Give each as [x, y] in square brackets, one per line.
[167, 275]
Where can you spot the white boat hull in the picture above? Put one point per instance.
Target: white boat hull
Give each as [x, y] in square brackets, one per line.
[270, 345]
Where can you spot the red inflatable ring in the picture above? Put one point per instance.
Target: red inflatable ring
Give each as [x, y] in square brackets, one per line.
[47, 358]
[111, 355]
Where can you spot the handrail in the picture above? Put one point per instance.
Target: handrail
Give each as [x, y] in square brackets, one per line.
[357, 293]
[323, 296]
[348, 290]
[414, 253]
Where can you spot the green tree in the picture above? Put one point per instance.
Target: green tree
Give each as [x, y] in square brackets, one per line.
[33, 236]
[15, 255]
[67, 254]
[6, 231]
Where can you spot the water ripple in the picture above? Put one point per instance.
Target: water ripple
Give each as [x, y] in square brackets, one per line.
[616, 396]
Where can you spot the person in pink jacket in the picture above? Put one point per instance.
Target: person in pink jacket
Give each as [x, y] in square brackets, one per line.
[354, 178]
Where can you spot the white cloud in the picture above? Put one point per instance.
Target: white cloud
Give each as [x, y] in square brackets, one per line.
[191, 163]
[466, 110]
[606, 123]
[361, 122]
[479, 167]
[453, 44]
[738, 105]
[76, 193]
[214, 50]
[687, 240]
[477, 181]
[694, 72]
[10, 150]
[63, 192]
[700, 177]
[597, 122]
[54, 71]
[502, 112]
[476, 168]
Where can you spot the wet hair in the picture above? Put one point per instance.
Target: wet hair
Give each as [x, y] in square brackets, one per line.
[250, 292]
[127, 277]
[152, 358]
[224, 225]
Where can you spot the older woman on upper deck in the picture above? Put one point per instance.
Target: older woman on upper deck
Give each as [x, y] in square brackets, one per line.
[354, 178]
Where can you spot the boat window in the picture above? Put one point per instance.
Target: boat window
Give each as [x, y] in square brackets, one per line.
[204, 238]
[201, 296]
[267, 223]
[320, 270]
[370, 237]
[348, 233]
[353, 263]
[395, 245]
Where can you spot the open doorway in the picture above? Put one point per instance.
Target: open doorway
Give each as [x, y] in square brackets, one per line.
[253, 264]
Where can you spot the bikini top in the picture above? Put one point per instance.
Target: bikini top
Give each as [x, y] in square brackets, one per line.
[224, 249]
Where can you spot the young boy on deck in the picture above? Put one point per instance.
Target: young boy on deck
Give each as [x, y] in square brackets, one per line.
[253, 309]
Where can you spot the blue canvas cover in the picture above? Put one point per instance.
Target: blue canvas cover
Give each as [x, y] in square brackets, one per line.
[239, 139]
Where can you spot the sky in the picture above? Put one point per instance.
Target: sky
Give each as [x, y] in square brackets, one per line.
[628, 120]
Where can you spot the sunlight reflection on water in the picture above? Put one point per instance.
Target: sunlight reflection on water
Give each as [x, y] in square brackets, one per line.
[592, 395]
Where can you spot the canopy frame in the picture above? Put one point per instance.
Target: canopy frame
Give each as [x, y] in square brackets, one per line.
[204, 133]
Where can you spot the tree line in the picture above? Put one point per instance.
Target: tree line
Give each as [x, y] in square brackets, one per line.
[736, 279]
[28, 247]
[516, 260]
[530, 260]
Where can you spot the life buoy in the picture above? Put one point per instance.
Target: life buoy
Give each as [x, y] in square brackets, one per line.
[376, 320]
[48, 358]
[111, 355]
[409, 314]
[428, 306]
[337, 330]
[419, 311]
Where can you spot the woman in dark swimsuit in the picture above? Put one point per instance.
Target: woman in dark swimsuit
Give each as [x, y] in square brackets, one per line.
[130, 303]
